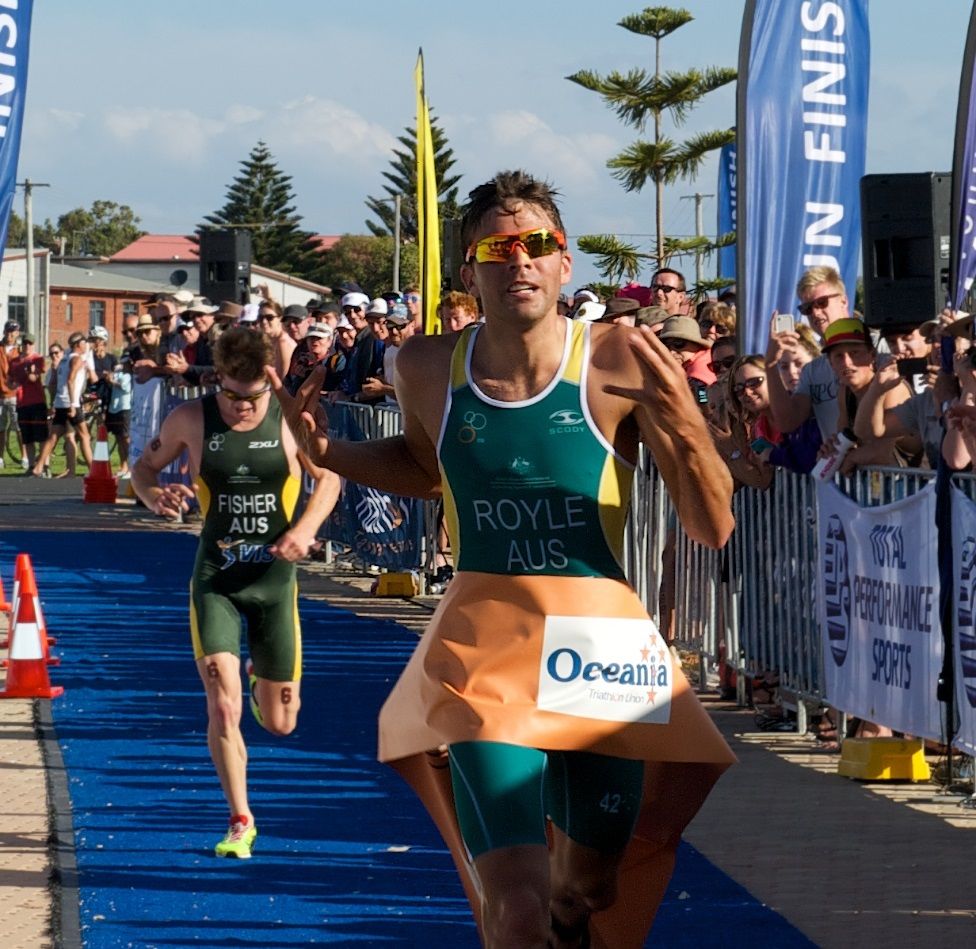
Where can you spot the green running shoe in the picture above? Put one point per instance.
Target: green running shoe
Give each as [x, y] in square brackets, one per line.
[239, 839]
[252, 681]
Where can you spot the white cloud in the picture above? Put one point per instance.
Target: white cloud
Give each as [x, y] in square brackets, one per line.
[330, 125]
[572, 159]
[182, 135]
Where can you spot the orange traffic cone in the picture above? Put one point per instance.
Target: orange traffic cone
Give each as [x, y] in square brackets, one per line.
[5, 605]
[27, 670]
[22, 568]
[20, 564]
[100, 486]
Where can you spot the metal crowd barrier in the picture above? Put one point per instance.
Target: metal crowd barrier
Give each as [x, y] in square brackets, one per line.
[753, 604]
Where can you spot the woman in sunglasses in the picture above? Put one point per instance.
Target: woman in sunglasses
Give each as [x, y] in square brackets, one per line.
[751, 434]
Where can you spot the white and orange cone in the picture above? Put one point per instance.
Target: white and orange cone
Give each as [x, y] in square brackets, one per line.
[101, 487]
[27, 676]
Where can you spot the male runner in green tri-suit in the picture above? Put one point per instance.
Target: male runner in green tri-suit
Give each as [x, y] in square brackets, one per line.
[576, 750]
[247, 473]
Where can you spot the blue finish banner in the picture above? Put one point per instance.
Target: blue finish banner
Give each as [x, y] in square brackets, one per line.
[15, 23]
[727, 208]
[801, 124]
[963, 259]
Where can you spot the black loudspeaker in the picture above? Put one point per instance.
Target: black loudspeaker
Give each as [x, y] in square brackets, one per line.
[905, 246]
[225, 264]
[452, 255]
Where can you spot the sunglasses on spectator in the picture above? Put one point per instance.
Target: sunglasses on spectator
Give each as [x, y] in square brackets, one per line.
[251, 397]
[267, 317]
[186, 329]
[129, 331]
[146, 329]
[754, 383]
[55, 352]
[718, 327]
[677, 345]
[498, 248]
[412, 298]
[352, 309]
[664, 288]
[722, 365]
[820, 303]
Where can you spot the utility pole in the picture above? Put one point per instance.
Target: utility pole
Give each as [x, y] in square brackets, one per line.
[28, 187]
[699, 232]
[397, 200]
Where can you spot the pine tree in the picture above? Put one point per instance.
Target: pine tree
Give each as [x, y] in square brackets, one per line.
[639, 97]
[261, 199]
[403, 182]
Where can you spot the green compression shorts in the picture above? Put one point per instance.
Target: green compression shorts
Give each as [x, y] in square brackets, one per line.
[269, 605]
[503, 794]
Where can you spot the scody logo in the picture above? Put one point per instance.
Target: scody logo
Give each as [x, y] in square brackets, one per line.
[837, 589]
[566, 421]
[965, 613]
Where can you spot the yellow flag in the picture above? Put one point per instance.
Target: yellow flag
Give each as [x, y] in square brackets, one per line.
[428, 221]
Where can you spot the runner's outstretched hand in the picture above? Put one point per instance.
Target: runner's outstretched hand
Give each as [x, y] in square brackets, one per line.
[304, 414]
[664, 391]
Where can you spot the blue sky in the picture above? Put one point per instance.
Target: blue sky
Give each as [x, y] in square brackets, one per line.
[153, 105]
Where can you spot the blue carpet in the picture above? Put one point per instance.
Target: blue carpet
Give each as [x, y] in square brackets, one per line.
[345, 854]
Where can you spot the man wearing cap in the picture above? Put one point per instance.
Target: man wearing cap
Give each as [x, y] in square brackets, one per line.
[366, 357]
[8, 393]
[27, 374]
[208, 320]
[73, 375]
[823, 300]
[850, 352]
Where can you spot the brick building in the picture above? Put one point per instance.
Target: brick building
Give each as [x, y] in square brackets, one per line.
[81, 298]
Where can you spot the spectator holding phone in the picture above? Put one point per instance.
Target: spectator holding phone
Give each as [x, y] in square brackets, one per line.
[823, 300]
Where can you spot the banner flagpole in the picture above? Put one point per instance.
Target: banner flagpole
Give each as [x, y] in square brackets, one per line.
[428, 222]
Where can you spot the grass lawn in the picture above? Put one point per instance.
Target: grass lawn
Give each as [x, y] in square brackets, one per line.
[12, 467]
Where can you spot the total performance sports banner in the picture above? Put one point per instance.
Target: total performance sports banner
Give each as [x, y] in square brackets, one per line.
[801, 127]
[727, 208]
[15, 23]
[879, 610]
[963, 261]
[964, 609]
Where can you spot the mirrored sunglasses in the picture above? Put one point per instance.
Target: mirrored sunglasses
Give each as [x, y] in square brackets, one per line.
[498, 248]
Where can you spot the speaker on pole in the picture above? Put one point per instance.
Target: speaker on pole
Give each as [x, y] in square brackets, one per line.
[225, 264]
[905, 246]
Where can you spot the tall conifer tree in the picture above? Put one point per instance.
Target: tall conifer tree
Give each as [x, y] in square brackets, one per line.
[261, 199]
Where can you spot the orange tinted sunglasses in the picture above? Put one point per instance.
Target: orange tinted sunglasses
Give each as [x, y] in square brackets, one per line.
[497, 248]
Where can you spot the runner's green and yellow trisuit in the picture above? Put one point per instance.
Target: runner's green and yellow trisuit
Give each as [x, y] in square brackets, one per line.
[248, 496]
[534, 488]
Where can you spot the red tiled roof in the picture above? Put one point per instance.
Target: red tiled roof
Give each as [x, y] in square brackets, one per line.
[159, 247]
